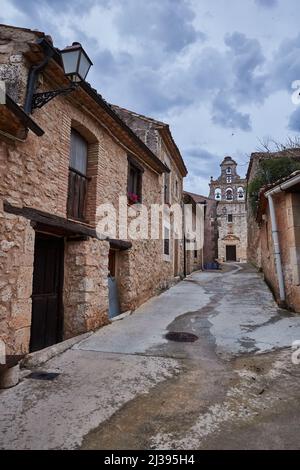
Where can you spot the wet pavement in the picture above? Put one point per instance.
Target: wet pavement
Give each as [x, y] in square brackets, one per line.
[129, 387]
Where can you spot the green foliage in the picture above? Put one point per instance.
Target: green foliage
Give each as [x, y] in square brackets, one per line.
[270, 170]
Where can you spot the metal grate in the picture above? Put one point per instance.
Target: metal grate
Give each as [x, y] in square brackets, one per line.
[42, 375]
[181, 337]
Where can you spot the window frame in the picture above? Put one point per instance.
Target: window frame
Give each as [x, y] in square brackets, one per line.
[239, 190]
[218, 191]
[77, 183]
[229, 191]
[134, 166]
[167, 188]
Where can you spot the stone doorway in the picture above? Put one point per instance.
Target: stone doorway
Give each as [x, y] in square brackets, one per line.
[231, 253]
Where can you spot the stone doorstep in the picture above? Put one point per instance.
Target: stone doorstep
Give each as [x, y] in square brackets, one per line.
[38, 358]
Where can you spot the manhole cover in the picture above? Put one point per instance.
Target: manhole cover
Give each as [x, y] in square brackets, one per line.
[181, 337]
[42, 375]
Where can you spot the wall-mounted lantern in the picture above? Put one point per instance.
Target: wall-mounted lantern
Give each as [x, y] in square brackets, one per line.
[76, 64]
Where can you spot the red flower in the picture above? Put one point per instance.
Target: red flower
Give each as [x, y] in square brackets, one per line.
[133, 197]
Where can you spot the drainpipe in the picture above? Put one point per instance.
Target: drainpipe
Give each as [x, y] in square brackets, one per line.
[269, 195]
[277, 252]
[34, 74]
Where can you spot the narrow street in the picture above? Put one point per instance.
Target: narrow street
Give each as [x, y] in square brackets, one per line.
[128, 387]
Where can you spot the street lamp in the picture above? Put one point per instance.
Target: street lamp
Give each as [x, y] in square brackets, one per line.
[76, 64]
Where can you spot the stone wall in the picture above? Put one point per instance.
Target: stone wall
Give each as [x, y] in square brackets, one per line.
[210, 250]
[16, 267]
[254, 249]
[85, 286]
[287, 206]
[13, 64]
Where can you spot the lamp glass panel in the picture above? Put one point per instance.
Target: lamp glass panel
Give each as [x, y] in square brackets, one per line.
[70, 60]
[84, 66]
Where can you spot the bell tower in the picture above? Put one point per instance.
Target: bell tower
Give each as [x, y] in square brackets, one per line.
[229, 191]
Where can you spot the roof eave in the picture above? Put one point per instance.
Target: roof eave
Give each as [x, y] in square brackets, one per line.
[25, 120]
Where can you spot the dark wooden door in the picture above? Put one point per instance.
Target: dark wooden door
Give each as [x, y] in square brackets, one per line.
[47, 314]
[231, 253]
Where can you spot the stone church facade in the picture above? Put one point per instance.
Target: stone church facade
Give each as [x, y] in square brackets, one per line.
[229, 190]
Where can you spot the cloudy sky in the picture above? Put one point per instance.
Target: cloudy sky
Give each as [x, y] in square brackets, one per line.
[219, 71]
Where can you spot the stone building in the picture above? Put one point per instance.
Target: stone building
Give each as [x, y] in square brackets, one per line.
[209, 253]
[58, 164]
[229, 191]
[278, 225]
[193, 242]
[256, 160]
[157, 136]
[277, 258]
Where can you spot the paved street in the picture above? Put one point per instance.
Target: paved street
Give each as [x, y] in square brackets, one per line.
[128, 387]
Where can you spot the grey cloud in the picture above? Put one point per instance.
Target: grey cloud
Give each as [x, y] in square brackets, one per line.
[149, 93]
[201, 162]
[247, 58]
[286, 64]
[39, 17]
[167, 23]
[225, 115]
[33, 8]
[267, 3]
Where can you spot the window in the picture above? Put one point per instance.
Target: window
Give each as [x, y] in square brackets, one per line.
[229, 218]
[229, 179]
[166, 241]
[134, 189]
[241, 193]
[77, 177]
[195, 254]
[228, 171]
[167, 188]
[218, 194]
[176, 188]
[229, 194]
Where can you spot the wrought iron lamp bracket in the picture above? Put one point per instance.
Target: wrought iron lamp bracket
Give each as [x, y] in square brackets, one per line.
[40, 99]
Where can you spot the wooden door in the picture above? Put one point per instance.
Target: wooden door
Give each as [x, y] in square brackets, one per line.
[47, 312]
[231, 253]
